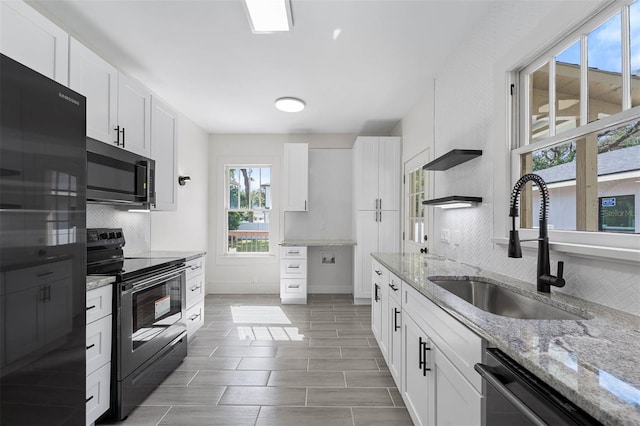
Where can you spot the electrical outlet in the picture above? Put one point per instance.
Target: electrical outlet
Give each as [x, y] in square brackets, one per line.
[445, 235]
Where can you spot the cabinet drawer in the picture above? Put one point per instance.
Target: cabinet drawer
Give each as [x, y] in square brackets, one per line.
[195, 290]
[195, 267]
[395, 287]
[98, 343]
[99, 303]
[293, 252]
[22, 279]
[98, 393]
[293, 268]
[293, 287]
[459, 344]
[195, 318]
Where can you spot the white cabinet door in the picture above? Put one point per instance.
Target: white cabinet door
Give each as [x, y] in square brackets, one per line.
[31, 39]
[379, 304]
[134, 115]
[417, 384]
[97, 80]
[389, 173]
[365, 173]
[389, 232]
[296, 177]
[394, 347]
[457, 402]
[366, 243]
[164, 149]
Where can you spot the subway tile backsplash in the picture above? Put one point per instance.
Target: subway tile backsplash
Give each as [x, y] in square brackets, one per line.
[136, 226]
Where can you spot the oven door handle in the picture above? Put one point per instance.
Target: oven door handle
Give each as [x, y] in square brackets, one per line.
[150, 282]
[492, 379]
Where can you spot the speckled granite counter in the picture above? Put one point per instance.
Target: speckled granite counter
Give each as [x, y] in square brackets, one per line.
[187, 255]
[316, 243]
[595, 363]
[97, 281]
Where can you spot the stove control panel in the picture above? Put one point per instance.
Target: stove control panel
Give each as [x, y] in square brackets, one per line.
[112, 237]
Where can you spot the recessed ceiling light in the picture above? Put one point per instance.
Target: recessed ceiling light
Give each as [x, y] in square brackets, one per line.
[289, 104]
[268, 16]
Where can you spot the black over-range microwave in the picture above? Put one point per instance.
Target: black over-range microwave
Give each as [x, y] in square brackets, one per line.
[116, 176]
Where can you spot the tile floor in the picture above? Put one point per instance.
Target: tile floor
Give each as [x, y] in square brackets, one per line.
[257, 362]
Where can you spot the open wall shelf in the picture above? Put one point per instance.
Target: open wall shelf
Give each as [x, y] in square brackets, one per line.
[452, 159]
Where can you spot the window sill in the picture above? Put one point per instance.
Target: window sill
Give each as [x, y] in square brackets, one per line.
[624, 255]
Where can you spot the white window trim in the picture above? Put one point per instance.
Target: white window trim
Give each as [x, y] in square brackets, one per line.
[224, 258]
[623, 248]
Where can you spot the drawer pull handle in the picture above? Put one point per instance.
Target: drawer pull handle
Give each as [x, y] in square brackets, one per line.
[88, 399]
[294, 266]
[294, 286]
[91, 346]
[194, 267]
[422, 354]
[195, 288]
[376, 297]
[378, 272]
[396, 327]
[90, 307]
[44, 274]
[293, 252]
[194, 317]
[393, 287]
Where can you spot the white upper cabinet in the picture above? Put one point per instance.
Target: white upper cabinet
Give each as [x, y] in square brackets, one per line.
[97, 80]
[296, 177]
[33, 40]
[377, 173]
[134, 116]
[164, 149]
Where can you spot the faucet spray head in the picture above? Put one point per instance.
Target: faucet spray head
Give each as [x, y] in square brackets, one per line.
[515, 250]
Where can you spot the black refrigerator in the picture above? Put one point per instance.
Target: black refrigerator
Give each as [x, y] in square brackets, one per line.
[42, 250]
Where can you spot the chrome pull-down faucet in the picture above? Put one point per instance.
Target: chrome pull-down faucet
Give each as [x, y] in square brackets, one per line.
[544, 279]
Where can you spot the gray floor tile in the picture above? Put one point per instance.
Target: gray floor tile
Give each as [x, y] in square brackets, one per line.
[273, 364]
[178, 395]
[342, 325]
[369, 352]
[315, 352]
[228, 378]
[209, 364]
[250, 351]
[146, 416]
[179, 378]
[202, 340]
[369, 379]
[355, 333]
[201, 351]
[381, 417]
[342, 364]
[396, 397]
[278, 343]
[307, 378]
[217, 415]
[349, 397]
[258, 395]
[307, 416]
[347, 341]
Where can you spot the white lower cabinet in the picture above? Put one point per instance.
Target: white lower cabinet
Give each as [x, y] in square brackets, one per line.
[98, 356]
[429, 353]
[196, 291]
[293, 275]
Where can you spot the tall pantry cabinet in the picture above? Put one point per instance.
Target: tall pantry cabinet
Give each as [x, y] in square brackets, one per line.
[377, 195]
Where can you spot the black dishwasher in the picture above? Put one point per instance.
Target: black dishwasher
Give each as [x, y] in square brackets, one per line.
[516, 397]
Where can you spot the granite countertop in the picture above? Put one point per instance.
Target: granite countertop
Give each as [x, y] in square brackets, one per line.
[593, 362]
[97, 281]
[187, 255]
[316, 243]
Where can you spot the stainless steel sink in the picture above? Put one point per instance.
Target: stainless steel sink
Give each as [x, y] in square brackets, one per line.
[501, 301]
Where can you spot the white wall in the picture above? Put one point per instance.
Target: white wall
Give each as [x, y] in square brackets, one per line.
[226, 274]
[470, 112]
[185, 229]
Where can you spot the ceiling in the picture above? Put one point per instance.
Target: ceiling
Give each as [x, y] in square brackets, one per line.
[360, 65]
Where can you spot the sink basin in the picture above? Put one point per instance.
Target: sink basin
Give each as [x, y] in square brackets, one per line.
[501, 301]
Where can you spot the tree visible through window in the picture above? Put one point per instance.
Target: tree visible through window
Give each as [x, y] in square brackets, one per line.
[248, 207]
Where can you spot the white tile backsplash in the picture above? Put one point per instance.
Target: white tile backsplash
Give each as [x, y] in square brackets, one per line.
[135, 226]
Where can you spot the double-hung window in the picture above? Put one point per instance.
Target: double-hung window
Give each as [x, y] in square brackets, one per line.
[579, 129]
[247, 209]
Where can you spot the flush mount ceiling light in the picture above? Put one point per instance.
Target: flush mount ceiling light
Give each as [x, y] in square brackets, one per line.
[289, 104]
[268, 16]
